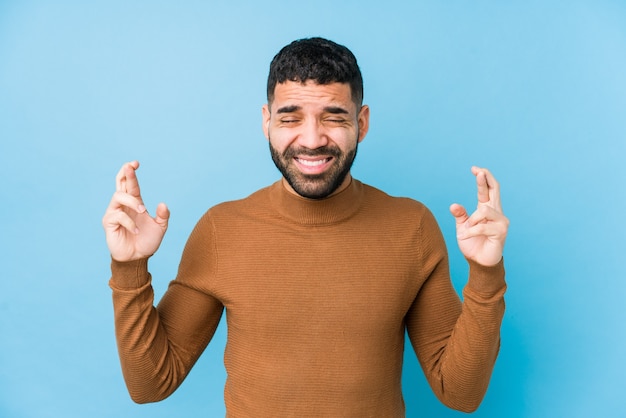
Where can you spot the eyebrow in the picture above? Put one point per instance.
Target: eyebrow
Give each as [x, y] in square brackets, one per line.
[288, 109]
[336, 110]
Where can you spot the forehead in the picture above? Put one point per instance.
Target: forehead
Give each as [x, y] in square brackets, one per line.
[312, 94]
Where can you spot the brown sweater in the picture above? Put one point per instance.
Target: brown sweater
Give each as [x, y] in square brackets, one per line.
[318, 296]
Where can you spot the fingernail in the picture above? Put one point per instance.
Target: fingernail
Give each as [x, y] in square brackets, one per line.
[141, 208]
[136, 231]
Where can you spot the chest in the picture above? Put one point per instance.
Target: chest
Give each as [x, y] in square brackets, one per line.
[319, 279]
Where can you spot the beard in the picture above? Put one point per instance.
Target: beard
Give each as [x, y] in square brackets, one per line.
[316, 186]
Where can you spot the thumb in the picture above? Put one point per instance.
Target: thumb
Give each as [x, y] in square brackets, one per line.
[459, 213]
[162, 214]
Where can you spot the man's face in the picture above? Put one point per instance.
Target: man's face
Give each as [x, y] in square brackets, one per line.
[313, 131]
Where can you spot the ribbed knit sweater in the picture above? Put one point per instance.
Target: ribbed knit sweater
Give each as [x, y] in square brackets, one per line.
[318, 296]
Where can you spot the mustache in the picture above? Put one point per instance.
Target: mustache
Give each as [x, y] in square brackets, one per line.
[291, 152]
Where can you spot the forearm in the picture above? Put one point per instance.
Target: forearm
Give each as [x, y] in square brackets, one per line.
[158, 346]
[467, 363]
[457, 343]
[474, 344]
[149, 368]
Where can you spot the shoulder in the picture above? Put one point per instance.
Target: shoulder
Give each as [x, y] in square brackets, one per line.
[380, 199]
[255, 203]
[404, 211]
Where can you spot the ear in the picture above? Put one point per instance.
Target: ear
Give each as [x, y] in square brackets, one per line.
[364, 121]
[266, 121]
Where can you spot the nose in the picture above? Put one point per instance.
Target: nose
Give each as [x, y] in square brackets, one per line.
[313, 135]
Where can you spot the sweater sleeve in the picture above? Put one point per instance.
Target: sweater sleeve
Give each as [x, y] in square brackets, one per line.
[456, 342]
[159, 345]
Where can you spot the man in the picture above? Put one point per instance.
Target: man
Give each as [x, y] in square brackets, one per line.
[320, 275]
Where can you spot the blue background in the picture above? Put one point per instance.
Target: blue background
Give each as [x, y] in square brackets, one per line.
[534, 90]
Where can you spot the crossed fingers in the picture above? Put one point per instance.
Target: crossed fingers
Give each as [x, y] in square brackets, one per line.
[488, 188]
[488, 218]
[126, 179]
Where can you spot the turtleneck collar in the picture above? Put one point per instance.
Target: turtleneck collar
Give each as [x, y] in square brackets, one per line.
[302, 210]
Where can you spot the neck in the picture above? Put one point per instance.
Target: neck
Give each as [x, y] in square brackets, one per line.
[305, 211]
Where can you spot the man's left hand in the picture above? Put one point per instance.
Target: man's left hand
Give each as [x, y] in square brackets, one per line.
[481, 235]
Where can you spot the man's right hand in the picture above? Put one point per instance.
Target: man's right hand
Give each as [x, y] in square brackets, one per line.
[131, 233]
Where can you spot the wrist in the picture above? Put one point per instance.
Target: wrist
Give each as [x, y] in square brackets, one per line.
[486, 279]
[132, 274]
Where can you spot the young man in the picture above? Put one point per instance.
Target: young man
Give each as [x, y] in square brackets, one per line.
[320, 275]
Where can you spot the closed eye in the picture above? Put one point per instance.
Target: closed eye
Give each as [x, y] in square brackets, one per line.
[335, 120]
[335, 115]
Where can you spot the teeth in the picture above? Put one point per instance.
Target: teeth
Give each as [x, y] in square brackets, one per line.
[310, 163]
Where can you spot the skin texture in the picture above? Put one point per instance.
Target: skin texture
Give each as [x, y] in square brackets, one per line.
[313, 129]
[131, 233]
[482, 234]
[313, 132]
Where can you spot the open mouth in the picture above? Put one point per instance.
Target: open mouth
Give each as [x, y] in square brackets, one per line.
[313, 165]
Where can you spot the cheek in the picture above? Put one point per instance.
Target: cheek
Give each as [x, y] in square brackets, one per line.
[346, 140]
[279, 139]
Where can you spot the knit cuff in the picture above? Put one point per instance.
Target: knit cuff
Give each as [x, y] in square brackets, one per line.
[486, 280]
[129, 275]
